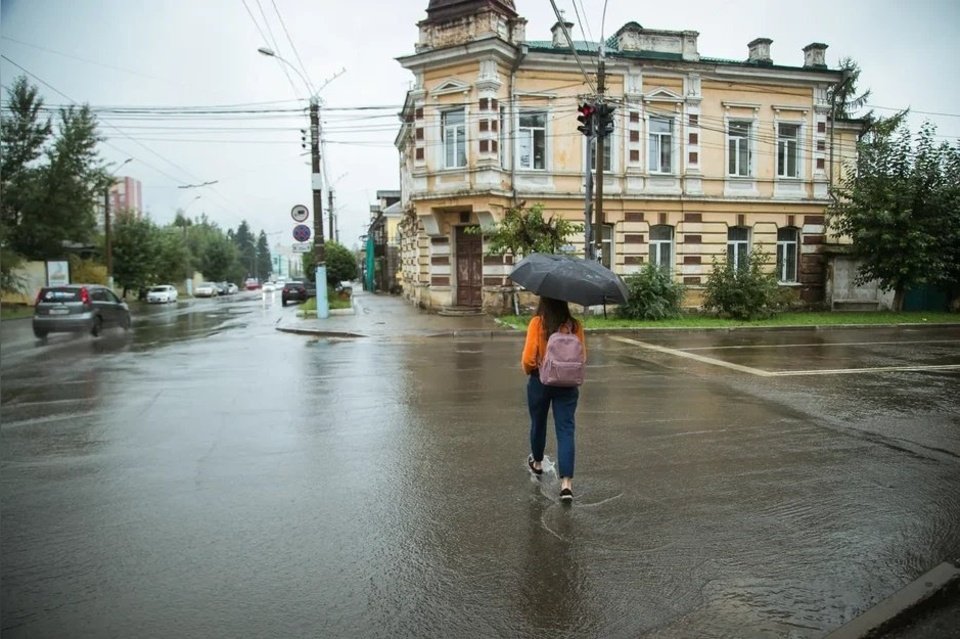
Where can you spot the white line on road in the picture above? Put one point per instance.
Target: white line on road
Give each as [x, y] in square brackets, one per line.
[746, 346]
[762, 373]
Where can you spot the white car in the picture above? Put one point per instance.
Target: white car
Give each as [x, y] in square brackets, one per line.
[232, 288]
[206, 289]
[161, 294]
[268, 287]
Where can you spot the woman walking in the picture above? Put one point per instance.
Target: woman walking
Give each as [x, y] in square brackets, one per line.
[552, 316]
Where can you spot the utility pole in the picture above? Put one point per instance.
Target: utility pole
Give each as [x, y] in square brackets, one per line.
[107, 240]
[319, 257]
[601, 136]
[332, 234]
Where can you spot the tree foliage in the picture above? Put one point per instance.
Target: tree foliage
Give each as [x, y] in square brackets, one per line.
[845, 92]
[246, 249]
[901, 208]
[745, 293]
[524, 231]
[341, 263]
[50, 180]
[135, 253]
[654, 295]
[263, 261]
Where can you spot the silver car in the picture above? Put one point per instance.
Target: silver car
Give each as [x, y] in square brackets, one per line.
[76, 308]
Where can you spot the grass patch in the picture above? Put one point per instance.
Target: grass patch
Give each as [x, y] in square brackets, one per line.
[333, 302]
[783, 319]
[15, 311]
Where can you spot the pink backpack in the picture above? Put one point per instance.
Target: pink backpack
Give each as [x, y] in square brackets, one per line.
[562, 364]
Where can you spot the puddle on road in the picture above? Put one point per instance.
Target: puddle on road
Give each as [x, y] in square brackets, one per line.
[603, 516]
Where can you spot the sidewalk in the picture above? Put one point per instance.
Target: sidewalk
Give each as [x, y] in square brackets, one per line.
[383, 315]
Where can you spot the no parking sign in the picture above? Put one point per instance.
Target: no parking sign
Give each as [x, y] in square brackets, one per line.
[301, 232]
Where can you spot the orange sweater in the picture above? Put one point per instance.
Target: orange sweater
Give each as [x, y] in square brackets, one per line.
[536, 345]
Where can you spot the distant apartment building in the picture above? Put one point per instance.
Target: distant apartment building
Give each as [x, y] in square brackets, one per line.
[709, 158]
[126, 196]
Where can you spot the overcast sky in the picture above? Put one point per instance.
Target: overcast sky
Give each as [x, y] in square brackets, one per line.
[188, 53]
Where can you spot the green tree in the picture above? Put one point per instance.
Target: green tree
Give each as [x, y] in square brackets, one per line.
[23, 134]
[49, 181]
[264, 262]
[136, 251]
[341, 263]
[524, 230]
[900, 210]
[173, 259]
[246, 249]
[847, 102]
[219, 257]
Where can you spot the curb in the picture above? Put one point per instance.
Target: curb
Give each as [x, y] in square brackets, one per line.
[317, 333]
[900, 604]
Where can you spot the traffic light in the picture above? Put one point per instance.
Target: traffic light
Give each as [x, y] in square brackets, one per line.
[303, 138]
[604, 119]
[587, 119]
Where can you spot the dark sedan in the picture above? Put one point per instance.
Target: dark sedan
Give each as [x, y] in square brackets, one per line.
[76, 308]
[297, 292]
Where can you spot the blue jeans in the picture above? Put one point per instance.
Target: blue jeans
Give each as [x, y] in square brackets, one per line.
[564, 401]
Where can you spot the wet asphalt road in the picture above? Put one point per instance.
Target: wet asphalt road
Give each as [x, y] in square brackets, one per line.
[208, 476]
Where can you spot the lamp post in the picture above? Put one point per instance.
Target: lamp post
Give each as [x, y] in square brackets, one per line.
[107, 240]
[188, 272]
[316, 184]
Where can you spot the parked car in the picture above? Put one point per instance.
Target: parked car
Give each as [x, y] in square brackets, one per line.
[232, 288]
[206, 289]
[251, 284]
[77, 308]
[161, 294]
[222, 288]
[295, 291]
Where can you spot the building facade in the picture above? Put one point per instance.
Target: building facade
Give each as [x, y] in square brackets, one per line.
[709, 158]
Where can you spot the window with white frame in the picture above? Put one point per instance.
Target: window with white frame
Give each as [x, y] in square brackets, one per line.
[661, 145]
[661, 246]
[532, 140]
[607, 154]
[738, 246]
[739, 157]
[787, 245]
[454, 132]
[788, 150]
[606, 245]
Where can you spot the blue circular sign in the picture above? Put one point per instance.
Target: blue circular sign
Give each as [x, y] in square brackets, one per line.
[301, 232]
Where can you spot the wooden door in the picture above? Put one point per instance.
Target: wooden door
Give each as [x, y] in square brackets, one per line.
[469, 249]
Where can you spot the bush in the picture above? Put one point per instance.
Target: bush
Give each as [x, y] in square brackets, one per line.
[743, 293]
[87, 271]
[341, 263]
[654, 295]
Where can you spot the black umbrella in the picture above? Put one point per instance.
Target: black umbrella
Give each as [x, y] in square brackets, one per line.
[572, 279]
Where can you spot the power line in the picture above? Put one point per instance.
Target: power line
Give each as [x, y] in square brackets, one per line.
[294, 47]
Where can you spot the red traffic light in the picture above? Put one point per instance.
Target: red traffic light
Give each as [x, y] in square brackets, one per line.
[587, 118]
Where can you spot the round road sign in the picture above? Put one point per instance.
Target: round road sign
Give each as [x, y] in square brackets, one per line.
[301, 232]
[299, 213]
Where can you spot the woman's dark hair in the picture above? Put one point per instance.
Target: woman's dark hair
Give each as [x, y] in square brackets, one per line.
[553, 313]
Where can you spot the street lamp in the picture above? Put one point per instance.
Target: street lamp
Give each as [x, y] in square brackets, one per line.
[107, 240]
[316, 184]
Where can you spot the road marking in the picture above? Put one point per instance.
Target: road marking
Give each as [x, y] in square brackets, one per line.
[762, 373]
[746, 346]
[694, 356]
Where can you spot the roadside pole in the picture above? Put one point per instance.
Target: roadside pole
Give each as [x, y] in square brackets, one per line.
[601, 136]
[319, 257]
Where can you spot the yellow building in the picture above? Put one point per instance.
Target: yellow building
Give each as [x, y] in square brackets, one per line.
[708, 158]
